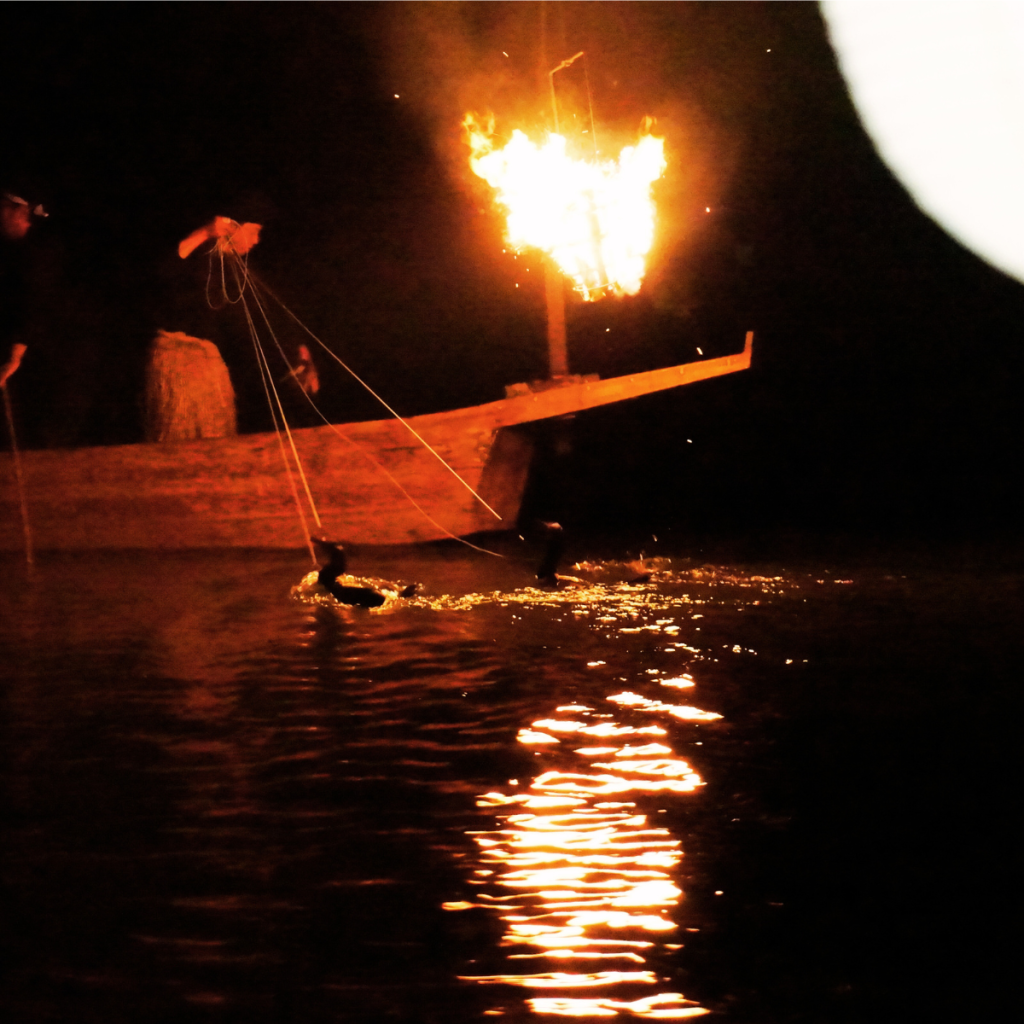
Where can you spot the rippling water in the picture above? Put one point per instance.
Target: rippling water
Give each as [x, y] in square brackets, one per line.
[638, 800]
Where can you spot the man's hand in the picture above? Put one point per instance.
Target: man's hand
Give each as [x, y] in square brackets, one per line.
[17, 351]
[229, 234]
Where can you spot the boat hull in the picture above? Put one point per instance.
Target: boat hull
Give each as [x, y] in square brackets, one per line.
[372, 483]
[236, 492]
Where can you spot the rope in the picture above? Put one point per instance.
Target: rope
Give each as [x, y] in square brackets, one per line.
[277, 398]
[216, 250]
[25, 526]
[254, 290]
[268, 385]
[405, 423]
[248, 283]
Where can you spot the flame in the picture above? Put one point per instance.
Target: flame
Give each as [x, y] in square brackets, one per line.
[594, 218]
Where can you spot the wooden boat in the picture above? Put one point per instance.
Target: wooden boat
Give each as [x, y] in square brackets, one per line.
[235, 492]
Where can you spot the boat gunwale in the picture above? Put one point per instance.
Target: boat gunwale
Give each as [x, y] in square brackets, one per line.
[560, 400]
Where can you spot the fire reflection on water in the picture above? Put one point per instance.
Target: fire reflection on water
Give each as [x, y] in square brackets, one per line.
[245, 805]
[586, 887]
[582, 881]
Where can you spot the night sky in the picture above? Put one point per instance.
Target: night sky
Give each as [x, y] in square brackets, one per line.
[883, 398]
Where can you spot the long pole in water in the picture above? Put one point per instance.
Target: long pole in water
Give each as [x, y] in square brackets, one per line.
[25, 526]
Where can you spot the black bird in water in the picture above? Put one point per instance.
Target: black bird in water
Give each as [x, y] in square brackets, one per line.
[643, 574]
[547, 575]
[336, 565]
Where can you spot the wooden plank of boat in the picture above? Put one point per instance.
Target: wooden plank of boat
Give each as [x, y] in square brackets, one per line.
[235, 492]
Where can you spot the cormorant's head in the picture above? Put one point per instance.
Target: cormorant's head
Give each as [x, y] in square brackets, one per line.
[555, 536]
[332, 554]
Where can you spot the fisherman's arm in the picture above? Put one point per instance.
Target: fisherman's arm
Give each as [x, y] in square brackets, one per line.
[8, 368]
[231, 236]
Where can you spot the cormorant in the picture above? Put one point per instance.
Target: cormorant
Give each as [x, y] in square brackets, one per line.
[336, 565]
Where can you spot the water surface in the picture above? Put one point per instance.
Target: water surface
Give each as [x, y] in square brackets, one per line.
[719, 790]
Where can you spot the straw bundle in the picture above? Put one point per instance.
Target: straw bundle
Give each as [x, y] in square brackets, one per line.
[188, 390]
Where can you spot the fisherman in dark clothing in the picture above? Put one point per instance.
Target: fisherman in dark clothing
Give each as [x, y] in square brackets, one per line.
[189, 391]
[29, 265]
[15, 224]
[49, 379]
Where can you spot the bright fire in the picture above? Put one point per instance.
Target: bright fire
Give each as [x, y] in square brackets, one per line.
[595, 218]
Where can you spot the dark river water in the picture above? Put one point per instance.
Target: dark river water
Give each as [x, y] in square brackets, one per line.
[770, 793]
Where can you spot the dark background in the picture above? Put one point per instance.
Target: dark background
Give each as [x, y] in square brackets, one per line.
[881, 403]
